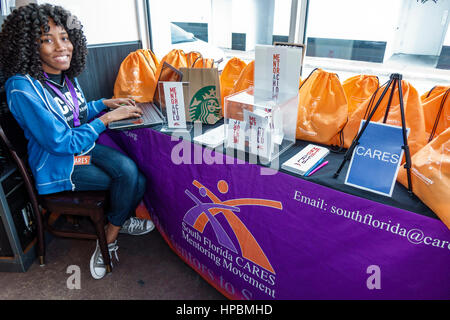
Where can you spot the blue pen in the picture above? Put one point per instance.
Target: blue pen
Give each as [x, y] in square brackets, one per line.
[313, 167]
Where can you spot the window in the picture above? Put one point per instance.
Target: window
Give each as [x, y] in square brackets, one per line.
[381, 37]
[219, 29]
[348, 37]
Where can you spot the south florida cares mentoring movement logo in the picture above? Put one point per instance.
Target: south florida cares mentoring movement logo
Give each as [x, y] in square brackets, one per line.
[249, 262]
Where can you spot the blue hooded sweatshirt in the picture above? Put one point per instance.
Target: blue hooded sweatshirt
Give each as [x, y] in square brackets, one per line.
[52, 143]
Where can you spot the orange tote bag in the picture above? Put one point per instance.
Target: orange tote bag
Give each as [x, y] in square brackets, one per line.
[430, 175]
[229, 76]
[414, 117]
[322, 108]
[358, 89]
[137, 76]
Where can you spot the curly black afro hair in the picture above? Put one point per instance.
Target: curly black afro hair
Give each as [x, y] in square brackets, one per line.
[19, 45]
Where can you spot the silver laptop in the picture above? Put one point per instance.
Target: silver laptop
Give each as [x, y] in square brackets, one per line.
[151, 110]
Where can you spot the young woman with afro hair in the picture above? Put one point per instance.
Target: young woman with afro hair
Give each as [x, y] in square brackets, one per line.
[42, 51]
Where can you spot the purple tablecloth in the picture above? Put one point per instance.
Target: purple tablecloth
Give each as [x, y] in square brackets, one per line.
[255, 236]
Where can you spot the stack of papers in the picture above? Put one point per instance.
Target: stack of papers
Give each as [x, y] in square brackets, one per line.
[212, 138]
[306, 159]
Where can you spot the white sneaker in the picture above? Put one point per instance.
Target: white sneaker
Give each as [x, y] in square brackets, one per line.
[136, 226]
[97, 266]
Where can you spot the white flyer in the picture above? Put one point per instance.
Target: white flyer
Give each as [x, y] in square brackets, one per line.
[236, 134]
[212, 138]
[275, 121]
[173, 94]
[259, 133]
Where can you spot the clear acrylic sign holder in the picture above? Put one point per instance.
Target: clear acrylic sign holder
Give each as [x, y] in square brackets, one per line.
[277, 115]
[166, 127]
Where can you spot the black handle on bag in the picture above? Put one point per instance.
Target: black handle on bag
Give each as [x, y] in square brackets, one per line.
[438, 117]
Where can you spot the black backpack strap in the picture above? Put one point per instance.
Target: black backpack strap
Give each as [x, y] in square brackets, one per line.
[438, 116]
[429, 92]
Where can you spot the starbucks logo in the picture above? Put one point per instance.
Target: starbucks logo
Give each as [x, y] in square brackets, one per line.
[205, 106]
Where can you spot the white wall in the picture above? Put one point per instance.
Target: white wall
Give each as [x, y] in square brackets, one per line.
[104, 21]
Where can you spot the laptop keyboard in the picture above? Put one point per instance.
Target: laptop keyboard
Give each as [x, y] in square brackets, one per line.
[150, 114]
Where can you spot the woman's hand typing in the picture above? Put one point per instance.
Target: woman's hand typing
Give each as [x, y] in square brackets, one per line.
[120, 113]
[116, 103]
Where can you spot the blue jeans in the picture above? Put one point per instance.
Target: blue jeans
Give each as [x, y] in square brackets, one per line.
[112, 170]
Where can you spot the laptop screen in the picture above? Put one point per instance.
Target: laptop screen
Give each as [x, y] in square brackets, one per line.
[168, 73]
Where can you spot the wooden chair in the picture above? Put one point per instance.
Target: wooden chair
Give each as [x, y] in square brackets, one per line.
[74, 203]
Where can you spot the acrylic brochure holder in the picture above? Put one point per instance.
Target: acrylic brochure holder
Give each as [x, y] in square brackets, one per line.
[172, 99]
[259, 124]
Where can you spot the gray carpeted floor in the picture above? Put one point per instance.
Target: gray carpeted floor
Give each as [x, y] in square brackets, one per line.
[148, 270]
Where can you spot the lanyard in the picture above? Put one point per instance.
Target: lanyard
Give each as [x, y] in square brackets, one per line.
[75, 107]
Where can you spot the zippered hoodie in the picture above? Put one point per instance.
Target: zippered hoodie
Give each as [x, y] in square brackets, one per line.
[52, 143]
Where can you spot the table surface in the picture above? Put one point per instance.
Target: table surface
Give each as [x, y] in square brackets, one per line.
[401, 198]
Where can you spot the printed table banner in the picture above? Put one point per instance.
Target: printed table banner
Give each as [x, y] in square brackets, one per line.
[256, 236]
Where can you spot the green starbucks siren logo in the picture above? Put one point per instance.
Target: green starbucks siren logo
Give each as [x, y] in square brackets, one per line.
[205, 105]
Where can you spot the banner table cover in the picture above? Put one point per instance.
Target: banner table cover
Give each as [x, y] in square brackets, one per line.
[259, 236]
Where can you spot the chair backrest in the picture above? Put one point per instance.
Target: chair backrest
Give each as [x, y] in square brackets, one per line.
[14, 142]
[28, 182]
[21, 165]
[11, 128]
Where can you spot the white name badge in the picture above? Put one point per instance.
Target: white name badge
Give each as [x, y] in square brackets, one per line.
[173, 94]
[236, 134]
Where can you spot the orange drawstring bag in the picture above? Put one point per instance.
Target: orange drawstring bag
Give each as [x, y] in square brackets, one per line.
[322, 108]
[245, 81]
[176, 58]
[430, 175]
[413, 115]
[195, 59]
[137, 76]
[436, 109]
[358, 89]
[435, 91]
[230, 75]
[246, 78]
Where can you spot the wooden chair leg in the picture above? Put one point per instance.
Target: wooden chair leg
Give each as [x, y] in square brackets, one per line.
[74, 221]
[97, 219]
[41, 244]
[40, 235]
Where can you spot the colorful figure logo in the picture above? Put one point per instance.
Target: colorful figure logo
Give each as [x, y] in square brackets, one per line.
[198, 216]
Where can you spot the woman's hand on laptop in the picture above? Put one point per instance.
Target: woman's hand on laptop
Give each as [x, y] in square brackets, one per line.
[120, 113]
[116, 103]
